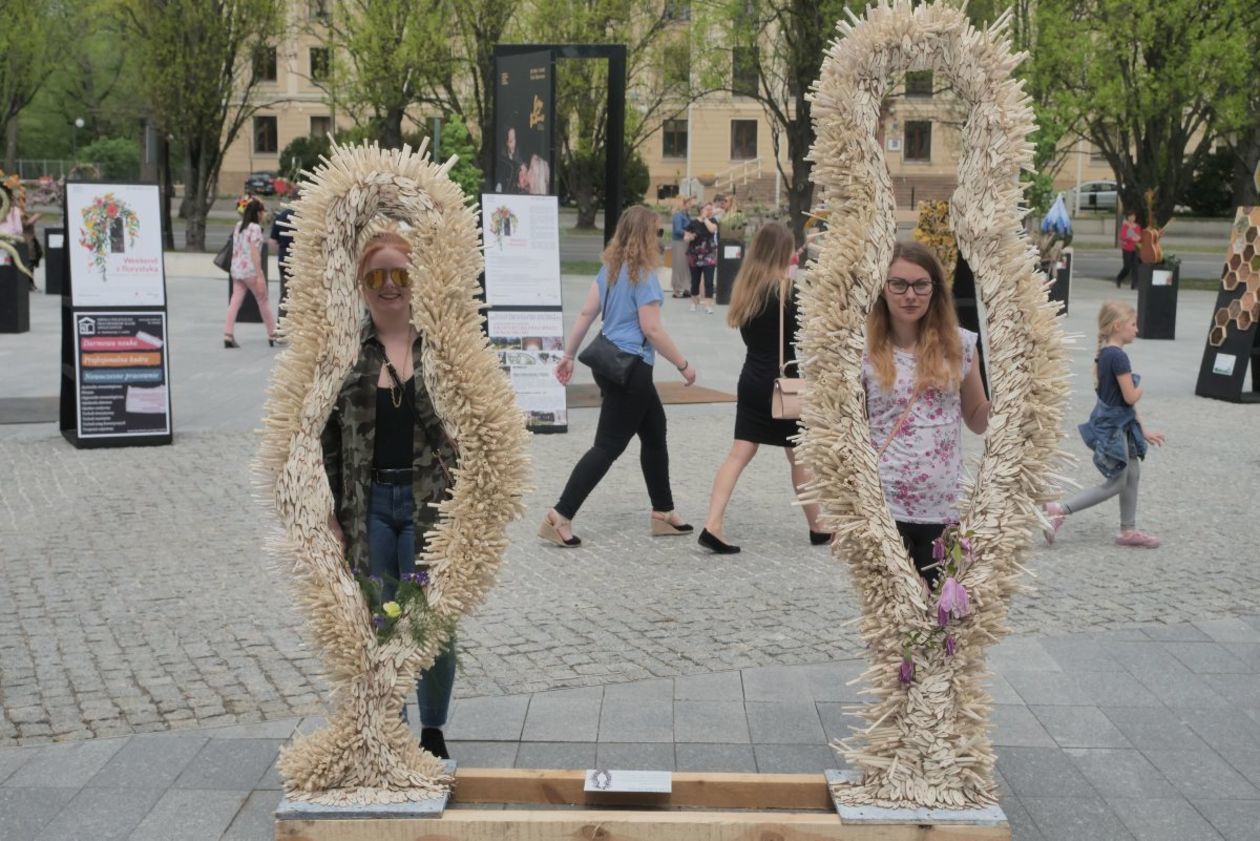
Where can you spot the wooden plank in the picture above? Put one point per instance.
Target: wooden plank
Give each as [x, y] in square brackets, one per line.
[691, 790]
[563, 825]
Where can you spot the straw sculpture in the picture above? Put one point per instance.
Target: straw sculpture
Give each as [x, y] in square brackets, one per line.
[366, 754]
[926, 743]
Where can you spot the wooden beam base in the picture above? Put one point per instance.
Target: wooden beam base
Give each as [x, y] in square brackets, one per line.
[701, 807]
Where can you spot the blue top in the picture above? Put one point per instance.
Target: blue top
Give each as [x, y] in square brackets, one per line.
[681, 221]
[1112, 362]
[620, 306]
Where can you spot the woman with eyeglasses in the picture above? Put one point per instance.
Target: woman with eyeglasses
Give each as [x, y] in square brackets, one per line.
[388, 459]
[922, 385]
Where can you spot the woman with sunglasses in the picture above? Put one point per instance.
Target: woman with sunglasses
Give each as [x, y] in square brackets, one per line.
[388, 459]
[922, 385]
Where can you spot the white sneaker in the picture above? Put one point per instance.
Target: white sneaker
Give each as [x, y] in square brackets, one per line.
[693, 307]
[709, 310]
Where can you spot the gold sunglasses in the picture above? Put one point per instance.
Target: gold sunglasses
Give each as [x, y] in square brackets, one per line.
[375, 278]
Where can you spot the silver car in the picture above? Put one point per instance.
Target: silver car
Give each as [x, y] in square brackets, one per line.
[1095, 195]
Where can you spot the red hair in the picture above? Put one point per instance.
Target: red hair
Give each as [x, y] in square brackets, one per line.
[380, 242]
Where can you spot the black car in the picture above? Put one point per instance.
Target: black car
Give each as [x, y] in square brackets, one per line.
[261, 183]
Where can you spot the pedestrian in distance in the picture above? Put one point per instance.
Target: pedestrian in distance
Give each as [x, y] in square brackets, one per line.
[763, 309]
[1114, 431]
[702, 246]
[680, 277]
[247, 273]
[922, 384]
[627, 292]
[389, 460]
[1130, 238]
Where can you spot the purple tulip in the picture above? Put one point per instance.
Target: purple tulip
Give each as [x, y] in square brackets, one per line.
[905, 674]
[953, 602]
[378, 621]
[965, 544]
[938, 549]
[420, 578]
[951, 645]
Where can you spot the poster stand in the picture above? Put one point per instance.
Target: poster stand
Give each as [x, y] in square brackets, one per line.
[115, 367]
[1233, 340]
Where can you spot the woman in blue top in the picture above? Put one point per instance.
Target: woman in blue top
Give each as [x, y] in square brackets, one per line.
[632, 321]
[680, 278]
[1113, 430]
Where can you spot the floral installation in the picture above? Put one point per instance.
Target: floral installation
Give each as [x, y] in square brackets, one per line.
[97, 218]
[952, 554]
[10, 192]
[502, 214]
[409, 598]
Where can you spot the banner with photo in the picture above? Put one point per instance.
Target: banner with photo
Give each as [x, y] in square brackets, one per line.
[522, 250]
[121, 375]
[523, 119]
[530, 344]
[114, 245]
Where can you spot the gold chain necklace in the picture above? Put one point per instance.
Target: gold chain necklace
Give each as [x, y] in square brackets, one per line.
[396, 387]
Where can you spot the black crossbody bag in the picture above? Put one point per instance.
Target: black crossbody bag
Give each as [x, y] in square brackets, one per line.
[605, 358]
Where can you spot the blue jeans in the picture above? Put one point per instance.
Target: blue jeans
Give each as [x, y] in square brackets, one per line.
[391, 535]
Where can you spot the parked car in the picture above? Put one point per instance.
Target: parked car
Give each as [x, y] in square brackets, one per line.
[1095, 195]
[261, 183]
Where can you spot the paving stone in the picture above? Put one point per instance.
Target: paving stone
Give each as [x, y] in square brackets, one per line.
[795, 759]
[1080, 727]
[1048, 687]
[1080, 653]
[836, 722]
[1235, 820]
[1017, 726]
[1041, 772]
[1153, 728]
[149, 762]
[710, 722]
[1207, 658]
[784, 723]
[566, 715]
[229, 764]
[1244, 761]
[1022, 826]
[1175, 632]
[709, 757]
[25, 811]
[719, 686]
[483, 754]
[256, 819]
[1121, 773]
[1163, 820]
[1230, 629]
[488, 719]
[64, 766]
[632, 756]
[1202, 775]
[12, 759]
[1115, 690]
[1021, 654]
[627, 720]
[776, 683]
[279, 729]
[1076, 817]
[271, 778]
[836, 681]
[1223, 729]
[97, 814]
[1181, 689]
[556, 755]
[1000, 690]
[658, 691]
[194, 815]
[1242, 690]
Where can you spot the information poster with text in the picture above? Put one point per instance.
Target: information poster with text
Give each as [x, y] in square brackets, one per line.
[114, 242]
[522, 248]
[530, 346]
[121, 374]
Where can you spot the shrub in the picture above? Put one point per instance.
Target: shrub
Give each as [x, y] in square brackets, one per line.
[117, 158]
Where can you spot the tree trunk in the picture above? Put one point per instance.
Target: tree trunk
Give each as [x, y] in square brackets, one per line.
[167, 188]
[1246, 161]
[10, 144]
[800, 135]
[195, 198]
[391, 128]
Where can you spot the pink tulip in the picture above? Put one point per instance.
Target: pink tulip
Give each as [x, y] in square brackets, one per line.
[953, 602]
[938, 549]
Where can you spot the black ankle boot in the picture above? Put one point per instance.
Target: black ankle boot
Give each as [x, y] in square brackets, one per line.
[432, 740]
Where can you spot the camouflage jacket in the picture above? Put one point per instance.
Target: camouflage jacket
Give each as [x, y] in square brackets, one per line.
[349, 439]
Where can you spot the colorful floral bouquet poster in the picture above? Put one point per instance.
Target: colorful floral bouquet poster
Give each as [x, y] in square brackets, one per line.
[116, 259]
[522, 250]
[503, 223]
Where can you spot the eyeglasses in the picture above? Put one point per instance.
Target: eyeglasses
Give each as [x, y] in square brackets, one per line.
[375, 278]
[900, 286]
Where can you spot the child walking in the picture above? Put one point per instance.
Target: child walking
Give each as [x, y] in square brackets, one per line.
[1114, 432]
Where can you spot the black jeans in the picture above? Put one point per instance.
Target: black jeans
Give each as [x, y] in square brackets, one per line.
[1129, 268]
[918, 538]
[626, 411]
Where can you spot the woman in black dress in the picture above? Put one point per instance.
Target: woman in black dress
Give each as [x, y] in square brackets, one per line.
[754, 309]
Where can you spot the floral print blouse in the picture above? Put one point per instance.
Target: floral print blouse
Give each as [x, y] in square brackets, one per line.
[921, 470]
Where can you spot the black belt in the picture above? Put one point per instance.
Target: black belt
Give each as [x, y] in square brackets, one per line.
[392, 476]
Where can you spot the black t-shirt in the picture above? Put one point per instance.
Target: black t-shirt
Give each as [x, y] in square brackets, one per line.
[392, 449]
[1112, 362]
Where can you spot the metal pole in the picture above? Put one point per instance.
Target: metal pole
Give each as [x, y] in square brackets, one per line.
[614, 172]
[1076, 195]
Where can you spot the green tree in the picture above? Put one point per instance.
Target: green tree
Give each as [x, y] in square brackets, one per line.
[197, 74]
[1144, 81]
[457, 141]
[117, 157]
[33, 36]
[302, 153]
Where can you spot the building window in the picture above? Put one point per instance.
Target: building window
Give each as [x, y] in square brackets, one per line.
[918, 146]
[321, 126]
[265, 140]
[919, 83]
[321, 63]
[674, 139]
[265, 64]
[743, 140]
[678, 9]
[744, 63]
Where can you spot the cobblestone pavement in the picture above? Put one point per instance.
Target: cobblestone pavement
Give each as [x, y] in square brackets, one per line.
[134, 596]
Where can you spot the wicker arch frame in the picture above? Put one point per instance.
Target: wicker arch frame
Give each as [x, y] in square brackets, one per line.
[366, 754]
[927, 743]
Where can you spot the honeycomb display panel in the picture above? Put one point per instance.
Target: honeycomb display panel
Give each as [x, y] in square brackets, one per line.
[1233, 340]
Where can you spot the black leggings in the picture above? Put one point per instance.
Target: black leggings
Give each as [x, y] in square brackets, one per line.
[626, 411]
[918, 538]
[707, 272]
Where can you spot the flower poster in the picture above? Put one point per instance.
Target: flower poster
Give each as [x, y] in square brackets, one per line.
[114, 241]
[522, 247]
[121, 376]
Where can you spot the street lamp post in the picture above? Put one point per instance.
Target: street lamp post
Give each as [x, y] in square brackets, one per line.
[78, 124]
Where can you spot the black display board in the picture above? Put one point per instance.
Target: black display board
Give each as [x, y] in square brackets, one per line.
[730, 259]
[15, 295]
[1157, 300]
[55, 269]
[524, 95]
[1233, 340]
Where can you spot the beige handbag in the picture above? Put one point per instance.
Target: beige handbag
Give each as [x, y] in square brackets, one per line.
[785, 400]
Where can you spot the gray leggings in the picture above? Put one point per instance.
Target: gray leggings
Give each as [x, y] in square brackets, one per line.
[1124, 483]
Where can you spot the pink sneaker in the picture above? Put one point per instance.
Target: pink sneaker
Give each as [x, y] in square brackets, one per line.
[1055, 512]
[1137, 538]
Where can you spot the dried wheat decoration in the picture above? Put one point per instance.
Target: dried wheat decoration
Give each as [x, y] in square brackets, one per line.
[927, 743]
[366, 753]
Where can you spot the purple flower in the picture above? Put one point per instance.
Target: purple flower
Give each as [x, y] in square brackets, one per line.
[953, 602]
[418, 578]
[378, 621]
[951, 645]
[905, 673]
[965, 544]
[938, 549]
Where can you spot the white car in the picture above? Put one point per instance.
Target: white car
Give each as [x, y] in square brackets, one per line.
[1095, 195]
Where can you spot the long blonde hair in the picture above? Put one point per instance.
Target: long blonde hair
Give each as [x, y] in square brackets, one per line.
[940, 354]
[635, 244]
[1110, 314]
[763, 274]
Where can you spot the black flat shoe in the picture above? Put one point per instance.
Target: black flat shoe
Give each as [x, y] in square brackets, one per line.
[432, 740]
[715, 544]
[229, 340]
[818, 538]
